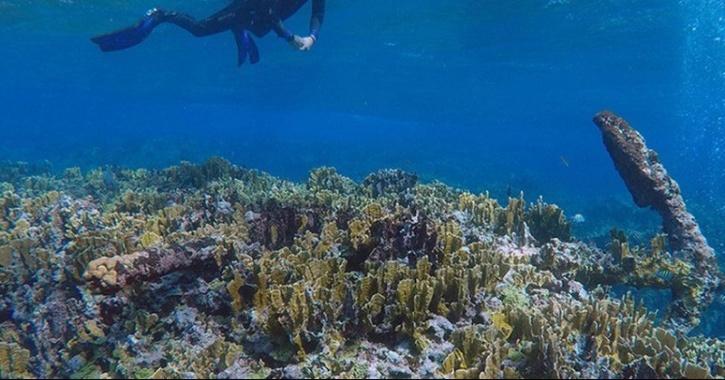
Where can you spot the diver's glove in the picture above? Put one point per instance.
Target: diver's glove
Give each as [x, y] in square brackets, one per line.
[302, 43]
[308, 42]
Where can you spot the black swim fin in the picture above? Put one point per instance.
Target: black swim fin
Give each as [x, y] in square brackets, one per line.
[245, 47]
[130, 36]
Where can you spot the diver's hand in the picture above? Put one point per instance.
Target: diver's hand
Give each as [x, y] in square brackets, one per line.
[302, 43]
[306, 43]
[296, 42]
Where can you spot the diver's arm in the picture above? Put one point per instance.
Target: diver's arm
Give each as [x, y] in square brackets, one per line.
[318, 15]
[294, 40]
[283, 32]
[304, 43]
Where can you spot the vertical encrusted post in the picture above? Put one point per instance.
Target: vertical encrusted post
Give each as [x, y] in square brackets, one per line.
[651, 186]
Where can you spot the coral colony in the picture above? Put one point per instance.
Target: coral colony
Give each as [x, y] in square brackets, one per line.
[216, 271]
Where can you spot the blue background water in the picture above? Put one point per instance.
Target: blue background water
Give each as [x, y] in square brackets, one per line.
[480, 94]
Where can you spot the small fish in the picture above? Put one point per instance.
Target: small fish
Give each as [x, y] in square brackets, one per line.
[564, 161]
[664, 275]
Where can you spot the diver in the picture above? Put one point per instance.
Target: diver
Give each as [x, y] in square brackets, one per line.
[241, 17]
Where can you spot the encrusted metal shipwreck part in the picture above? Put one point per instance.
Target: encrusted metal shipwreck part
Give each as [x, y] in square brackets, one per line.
[651, 186]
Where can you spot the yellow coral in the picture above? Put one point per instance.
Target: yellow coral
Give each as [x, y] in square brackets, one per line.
[483, 209]
[6, 255]
[273, 235]
[233, 289]
[454, 361]
[374, 211]
[93, 329]
[21, 228]
[359, 231]
[451, 237]
[512, 219]
[500, 321]
[150, 239]
[104, 270]
[14, 360]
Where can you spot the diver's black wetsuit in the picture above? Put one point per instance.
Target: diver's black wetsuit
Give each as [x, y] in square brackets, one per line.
[242, 17]
[257, 16]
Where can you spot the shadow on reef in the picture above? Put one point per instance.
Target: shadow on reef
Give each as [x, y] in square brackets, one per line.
[214, 270]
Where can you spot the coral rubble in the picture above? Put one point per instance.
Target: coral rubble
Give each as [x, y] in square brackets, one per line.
[651, 186]
[216, 271]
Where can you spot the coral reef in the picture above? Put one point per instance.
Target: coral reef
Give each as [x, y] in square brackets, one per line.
[216, 271]
[651, 186]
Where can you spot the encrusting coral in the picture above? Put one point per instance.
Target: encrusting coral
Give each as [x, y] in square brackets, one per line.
[217, 271]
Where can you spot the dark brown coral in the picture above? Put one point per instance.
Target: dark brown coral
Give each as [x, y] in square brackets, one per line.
[110, 274]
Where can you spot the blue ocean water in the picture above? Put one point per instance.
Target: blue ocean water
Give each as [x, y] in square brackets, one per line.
[485, 95]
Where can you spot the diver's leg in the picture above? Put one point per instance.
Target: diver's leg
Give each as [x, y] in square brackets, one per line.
[225, 19]
[130, 36]
[233, 15]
